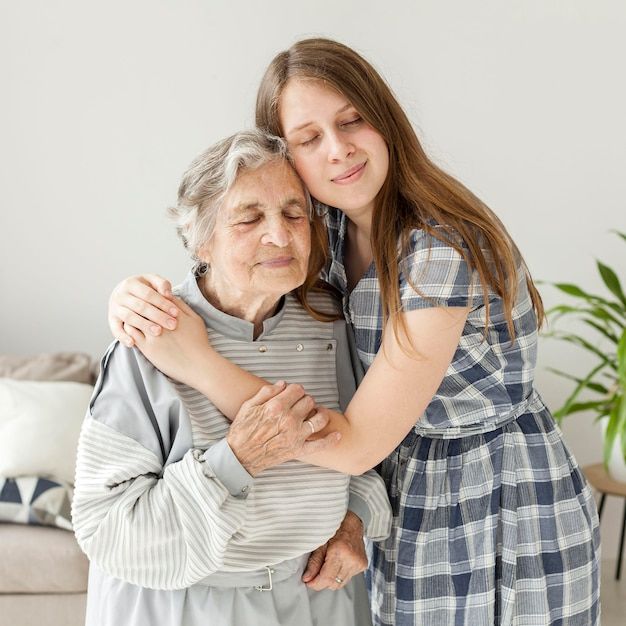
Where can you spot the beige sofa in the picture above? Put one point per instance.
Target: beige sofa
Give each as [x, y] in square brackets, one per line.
[43, 573]
[43, 577]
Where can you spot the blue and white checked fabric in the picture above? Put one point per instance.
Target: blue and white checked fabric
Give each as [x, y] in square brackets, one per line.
[493, 520]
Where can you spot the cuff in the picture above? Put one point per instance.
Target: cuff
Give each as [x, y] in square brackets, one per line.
[359, 507]
[225, 466]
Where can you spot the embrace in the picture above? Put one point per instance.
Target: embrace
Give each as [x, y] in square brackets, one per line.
[350, 306]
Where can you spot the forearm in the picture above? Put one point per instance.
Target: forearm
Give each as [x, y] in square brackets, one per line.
[226, 384]
[177, 538]
[363, 444]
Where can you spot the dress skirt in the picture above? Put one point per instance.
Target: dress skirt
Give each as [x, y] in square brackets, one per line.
[229, 599]
[498, 528]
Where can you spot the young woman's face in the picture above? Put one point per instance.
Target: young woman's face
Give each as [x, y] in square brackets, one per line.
[341, 159]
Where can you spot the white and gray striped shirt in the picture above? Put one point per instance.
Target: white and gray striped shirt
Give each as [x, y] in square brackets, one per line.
[162, 502]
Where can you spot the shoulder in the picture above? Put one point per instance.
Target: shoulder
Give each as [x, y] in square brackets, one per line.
[325, 298]
[434, 270]
[137, 401]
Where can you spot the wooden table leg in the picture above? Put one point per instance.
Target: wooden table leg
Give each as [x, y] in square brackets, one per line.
[621, 546]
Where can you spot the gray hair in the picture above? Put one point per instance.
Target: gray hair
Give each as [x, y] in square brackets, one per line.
[211, 176]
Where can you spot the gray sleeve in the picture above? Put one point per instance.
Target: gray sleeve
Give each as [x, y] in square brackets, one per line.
[133, 398]
[349, 368]
[141, 512]
[368, 496]
[222, 463]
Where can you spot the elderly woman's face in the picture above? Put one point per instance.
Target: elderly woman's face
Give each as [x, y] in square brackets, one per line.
[262, 239]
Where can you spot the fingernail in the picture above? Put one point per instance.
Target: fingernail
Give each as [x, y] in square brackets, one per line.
[171, 324]
[154, 330]
[174, 311]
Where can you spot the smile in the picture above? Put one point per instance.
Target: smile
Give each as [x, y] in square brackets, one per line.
[278, 262]
[351, 175]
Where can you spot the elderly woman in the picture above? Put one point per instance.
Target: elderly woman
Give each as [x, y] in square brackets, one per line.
[185, 518]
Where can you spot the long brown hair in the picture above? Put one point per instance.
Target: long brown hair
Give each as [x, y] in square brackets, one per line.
[416, 193]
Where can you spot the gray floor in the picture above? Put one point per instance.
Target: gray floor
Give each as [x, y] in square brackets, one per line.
[613, 594]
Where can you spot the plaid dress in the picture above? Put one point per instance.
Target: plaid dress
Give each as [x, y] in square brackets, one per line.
[493, 520]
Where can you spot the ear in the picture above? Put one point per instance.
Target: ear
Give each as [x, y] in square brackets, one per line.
[204, 253]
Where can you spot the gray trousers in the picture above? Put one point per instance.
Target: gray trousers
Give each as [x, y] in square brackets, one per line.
[229, 599]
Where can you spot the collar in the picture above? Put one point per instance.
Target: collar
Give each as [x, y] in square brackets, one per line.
[227, 325]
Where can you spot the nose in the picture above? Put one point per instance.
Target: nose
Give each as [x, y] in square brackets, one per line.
[277, 232]
[339, 147]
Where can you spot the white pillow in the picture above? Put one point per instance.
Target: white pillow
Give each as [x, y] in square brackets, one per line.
[39, 427]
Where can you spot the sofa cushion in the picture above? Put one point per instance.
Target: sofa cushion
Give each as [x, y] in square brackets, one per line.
[32, 500]
[39, 427]
[39, 559]
[67, 366]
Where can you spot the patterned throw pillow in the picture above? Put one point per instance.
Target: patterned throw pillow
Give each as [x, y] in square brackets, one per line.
[33, 500]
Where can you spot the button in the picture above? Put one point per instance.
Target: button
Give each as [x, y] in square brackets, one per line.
[329, 346]
[299, 347]
[263, 349]
[244, 489]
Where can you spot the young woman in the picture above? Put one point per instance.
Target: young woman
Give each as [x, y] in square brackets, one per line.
[493, 520]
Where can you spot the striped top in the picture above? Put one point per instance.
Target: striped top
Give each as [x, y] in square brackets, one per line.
[161, 501]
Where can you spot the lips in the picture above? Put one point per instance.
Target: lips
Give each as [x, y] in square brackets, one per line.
[348, 174]
[277, 261]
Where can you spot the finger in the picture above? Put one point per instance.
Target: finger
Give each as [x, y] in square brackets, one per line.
[318, 422]
[302, 408]
[146, 310]
[319, 445]
[162, 285]
[143, 289]
[130, 317]
[136, 336]
[314, 565]
[266, 393]
[117, 329]
[290, 395]
[183, 306]
[331, 574]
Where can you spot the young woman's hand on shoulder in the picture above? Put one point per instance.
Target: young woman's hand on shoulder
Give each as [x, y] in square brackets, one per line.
[144, 303]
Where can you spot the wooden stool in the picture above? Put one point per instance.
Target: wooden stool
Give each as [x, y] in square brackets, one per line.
[602, 482]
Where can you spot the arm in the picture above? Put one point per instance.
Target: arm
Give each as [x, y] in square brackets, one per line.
[154, 526]
[390, 390]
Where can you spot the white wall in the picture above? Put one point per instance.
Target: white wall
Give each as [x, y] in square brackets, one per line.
[103, 105]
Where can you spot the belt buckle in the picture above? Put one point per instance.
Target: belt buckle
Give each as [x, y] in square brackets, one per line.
[270, 571]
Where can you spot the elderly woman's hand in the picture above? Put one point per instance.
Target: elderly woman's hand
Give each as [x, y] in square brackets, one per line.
[175, 352]
[339, 559]
[275, 426]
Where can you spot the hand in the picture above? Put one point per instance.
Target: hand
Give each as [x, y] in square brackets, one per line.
[276, 425]
[177, 353]
[143, 302]
[342, 557]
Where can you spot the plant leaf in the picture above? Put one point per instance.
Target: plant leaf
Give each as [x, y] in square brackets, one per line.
[583, 343]
[573, 290]
[590, 385]
[565, 409]
[601, 313]
[621, 359]
[601, 329]
[611, 433]
[619, 234]
[603, 408]
[611, 281]
[622, 430]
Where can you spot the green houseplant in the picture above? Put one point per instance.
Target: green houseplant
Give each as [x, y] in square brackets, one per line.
[602, 391]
